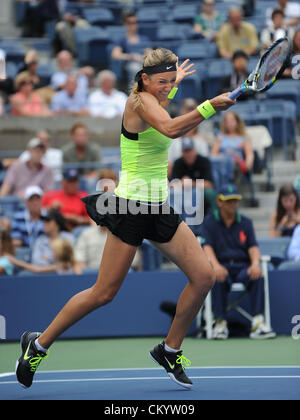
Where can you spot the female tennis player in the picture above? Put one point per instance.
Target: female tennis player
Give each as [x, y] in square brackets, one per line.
[147, 131]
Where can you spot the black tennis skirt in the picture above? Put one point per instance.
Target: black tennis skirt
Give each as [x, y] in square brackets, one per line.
[132, 221]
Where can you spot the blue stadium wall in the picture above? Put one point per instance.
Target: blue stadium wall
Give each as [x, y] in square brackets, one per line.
[31, 302]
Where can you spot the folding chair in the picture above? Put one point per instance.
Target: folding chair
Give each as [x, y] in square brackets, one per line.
[237, 287]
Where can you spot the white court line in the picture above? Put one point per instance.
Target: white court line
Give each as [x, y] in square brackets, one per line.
[155, 368]
[155, 378]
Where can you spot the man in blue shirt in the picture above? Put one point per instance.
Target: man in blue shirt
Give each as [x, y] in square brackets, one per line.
[230, 244]
[70, 100]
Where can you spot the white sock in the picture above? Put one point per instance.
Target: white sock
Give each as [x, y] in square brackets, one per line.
[170, 350]
[39, 347]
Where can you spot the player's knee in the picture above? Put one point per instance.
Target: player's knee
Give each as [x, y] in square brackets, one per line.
[102, 298]
[208, 278]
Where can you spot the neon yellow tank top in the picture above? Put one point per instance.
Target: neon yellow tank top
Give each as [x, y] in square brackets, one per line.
[144, 159]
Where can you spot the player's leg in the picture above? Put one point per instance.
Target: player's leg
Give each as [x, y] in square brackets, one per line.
[116, 260]
[185, 251]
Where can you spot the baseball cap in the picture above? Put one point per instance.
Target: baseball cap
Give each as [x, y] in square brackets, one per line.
[187, 143]
[33, 190]
[57, 217]
[35, 142]
[70, 174]
[229, 192]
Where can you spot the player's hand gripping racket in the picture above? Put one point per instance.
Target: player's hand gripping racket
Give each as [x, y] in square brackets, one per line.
[268, 70]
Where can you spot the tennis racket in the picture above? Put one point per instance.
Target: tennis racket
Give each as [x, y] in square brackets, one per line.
[268, 69]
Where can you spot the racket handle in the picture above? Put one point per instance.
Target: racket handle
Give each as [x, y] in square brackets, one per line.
[236, 93]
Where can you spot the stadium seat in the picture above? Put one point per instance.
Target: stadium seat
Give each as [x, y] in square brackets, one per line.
[91, 46]
[152, 258]
[9, 205]
[276, 248]
[184, 13]
[290, 265]
[150, 15]
[217, 69]
[288, 90]
[197, 50]
[45, 72]
[98, 16]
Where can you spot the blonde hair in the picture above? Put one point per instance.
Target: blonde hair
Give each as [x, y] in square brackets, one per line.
[241, 128]
[63, 253]
[152, 58]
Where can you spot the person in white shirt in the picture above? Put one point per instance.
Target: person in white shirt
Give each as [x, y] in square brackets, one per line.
[52, 157]
[106, 102]
[291, 12]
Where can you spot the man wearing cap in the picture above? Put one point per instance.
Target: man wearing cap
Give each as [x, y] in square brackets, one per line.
[32, 172]
[230, 244]
[193, 166]
[68, 200]
[28, 225]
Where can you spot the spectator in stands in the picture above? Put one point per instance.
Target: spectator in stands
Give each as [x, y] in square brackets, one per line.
[64, 262]
[66, 68]
[52, 157]
[6, 248]
[31, 63]
[209, 21]
[81, 150]
[235, 144]
[28, 225]
[237, 35]
[277, 30]
[130, 48]
[108, 180]
[67, 22]
[240, 73]
[230, 245]
[54, 227]
[67, 200]
[39, 12]
[291, 12]
[27, 103]
[106, 102]
[287, 215]
[191, 167]
[200, 141]
[21, 175]
[69, 100]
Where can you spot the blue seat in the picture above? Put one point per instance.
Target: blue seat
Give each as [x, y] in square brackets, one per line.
[199, 50]
[90, 42]
[10, 205]
[288, 90]
[184, 13]
[189, 88]
[45, 72]
[217, 69]
[171, 31]
[152, 258]
[276, 248]
[189, 203]
[98, 16]
[290, 265]
[150, 14]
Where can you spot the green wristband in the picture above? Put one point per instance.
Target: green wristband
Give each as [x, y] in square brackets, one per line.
[172, 93]
[206, 109]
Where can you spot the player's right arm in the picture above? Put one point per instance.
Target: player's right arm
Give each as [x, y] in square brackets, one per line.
[156, 116]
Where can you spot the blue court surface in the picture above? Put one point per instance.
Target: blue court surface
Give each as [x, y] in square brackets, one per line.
[210, 383]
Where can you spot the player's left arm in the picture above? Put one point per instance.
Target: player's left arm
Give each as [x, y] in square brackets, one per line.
[184, 70]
